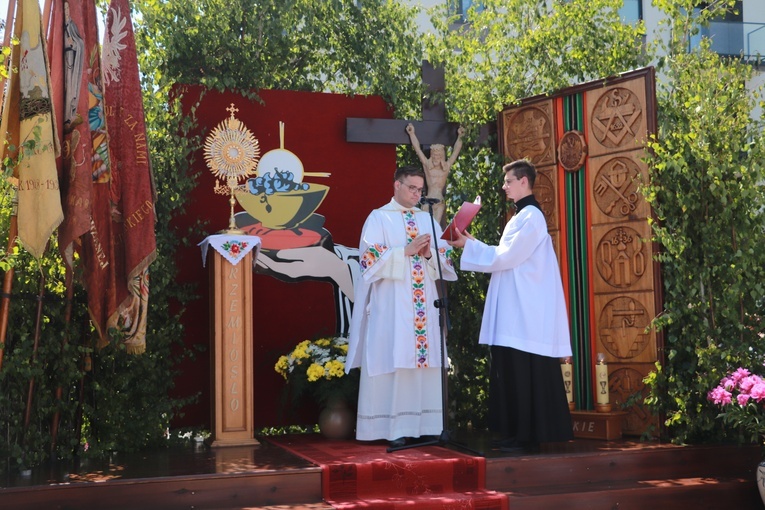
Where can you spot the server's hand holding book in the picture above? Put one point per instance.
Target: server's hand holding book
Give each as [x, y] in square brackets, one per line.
[462, 219]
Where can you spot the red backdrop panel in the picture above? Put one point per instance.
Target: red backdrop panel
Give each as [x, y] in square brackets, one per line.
[284, 313]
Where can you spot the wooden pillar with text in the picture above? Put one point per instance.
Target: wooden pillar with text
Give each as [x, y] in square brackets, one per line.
[231, 354]
[588, 144]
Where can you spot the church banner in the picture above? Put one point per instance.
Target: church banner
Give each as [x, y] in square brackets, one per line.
[27, 117]
[86, 172]
[132, 185]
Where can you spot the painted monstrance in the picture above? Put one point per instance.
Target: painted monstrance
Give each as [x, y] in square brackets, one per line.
[231, 153]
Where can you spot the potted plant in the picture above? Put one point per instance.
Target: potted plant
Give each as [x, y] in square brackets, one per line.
[741, 395]
[316, 369]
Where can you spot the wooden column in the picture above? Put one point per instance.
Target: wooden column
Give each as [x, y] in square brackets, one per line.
[231, 351]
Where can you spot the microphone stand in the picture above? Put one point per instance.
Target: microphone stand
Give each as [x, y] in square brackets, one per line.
[442, 303]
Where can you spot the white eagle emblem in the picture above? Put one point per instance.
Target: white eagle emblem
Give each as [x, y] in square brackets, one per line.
[110, 56]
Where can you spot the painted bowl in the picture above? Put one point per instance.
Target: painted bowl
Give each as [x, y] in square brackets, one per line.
[283, 209]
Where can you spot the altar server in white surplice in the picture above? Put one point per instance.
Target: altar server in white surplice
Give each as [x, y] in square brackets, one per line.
[525, 322]
[395, 334]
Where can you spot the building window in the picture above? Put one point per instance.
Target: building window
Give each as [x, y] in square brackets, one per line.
[631, 11]
[461, 6]
[737, 15]
[731, 36]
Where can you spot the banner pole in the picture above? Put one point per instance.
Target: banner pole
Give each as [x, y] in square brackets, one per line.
[47, 6]
[7, 36]
[38, 325]
[46, 17]
[5, 298]
[69, 283]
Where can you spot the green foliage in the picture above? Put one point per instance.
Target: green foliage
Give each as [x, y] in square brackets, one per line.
[345, 46]
[5, 54]
[53, 364]
[519, 48]
[707, 195]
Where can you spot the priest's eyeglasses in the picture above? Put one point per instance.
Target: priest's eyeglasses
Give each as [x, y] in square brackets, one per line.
[412, 188]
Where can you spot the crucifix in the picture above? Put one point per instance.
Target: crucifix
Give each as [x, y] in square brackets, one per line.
[432, 131]
[433, 128]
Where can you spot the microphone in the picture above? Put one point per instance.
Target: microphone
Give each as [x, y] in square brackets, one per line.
[428, 200]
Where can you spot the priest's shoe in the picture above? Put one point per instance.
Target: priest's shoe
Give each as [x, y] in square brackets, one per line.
[397, 443]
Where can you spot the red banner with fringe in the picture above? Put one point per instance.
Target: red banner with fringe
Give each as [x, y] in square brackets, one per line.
[86, 231]
[132, 185]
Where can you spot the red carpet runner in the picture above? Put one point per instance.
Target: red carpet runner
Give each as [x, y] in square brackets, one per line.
[363, 475]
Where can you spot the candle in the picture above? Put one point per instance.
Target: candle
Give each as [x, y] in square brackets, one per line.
[567, 369]
[601, 380]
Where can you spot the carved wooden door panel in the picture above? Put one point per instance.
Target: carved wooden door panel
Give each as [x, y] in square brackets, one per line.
[587, 143]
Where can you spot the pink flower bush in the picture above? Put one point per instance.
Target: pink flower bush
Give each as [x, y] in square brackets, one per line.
[741, 395]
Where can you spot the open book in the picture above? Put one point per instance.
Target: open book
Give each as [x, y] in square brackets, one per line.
[462, 219]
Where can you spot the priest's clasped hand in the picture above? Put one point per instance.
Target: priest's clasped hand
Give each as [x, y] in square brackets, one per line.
[420, 245]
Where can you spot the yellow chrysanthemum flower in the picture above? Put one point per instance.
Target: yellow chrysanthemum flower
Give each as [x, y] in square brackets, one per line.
[314, 372]
[335, 368]
[281, 366]
[301, 351]
[323, 342]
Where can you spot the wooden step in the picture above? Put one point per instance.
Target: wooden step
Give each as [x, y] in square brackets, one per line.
[181, 493]
[510, 474]
[696, 493]
[577, 475]
[649, 476]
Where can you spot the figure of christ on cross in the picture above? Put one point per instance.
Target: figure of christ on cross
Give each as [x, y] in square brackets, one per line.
[436, 168]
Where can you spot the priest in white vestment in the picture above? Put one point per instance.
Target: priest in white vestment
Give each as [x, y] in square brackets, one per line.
[525, 321]
[395, 332]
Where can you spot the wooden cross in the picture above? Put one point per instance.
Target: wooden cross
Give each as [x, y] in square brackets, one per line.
[432, 129]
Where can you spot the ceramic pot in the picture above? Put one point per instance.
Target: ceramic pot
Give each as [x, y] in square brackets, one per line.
[761, 480]
[337, 420]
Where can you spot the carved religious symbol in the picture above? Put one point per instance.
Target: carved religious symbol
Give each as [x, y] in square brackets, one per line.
[615, 188]
[572, 151]
[615, 115]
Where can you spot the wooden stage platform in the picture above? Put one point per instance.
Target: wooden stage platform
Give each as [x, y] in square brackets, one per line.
[581, 474]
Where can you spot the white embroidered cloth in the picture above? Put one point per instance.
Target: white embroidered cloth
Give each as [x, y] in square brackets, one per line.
[233, 247]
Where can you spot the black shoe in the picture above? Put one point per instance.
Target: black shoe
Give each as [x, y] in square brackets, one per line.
[507, 443]
[514, 448]
[397, 443]
[512, 445]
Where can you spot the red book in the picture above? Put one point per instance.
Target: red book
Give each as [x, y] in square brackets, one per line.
[462, 219]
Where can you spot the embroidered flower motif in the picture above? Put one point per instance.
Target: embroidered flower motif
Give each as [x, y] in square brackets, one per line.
[234, 248]
[418, 295]
[371, 255]
[447, 253]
